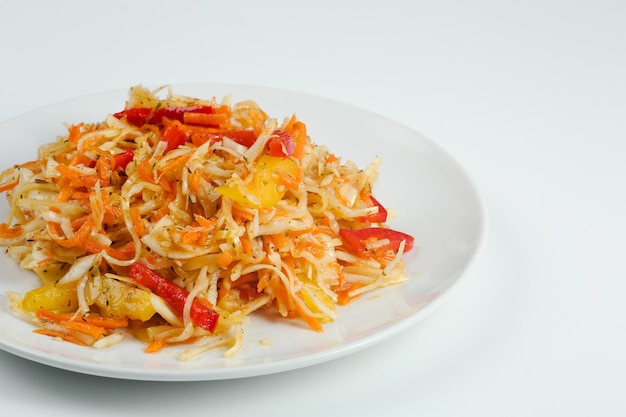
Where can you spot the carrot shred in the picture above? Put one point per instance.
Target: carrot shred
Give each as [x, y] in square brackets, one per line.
[7, 232]
[155, 346]
[310, 320]
[342, 296]
[299, 137]
[194, 182]
[80, 236]
[104, 167]
[224, 259]
[204, 222]
[89, 329]
[124, 253]
[68, 172]
[81, 158]
[145, 171]
[65, 191]
[8, 186]
[74, 133]
[205, 119]
[138, 226]
[104, 322]
[176, 163]
[191, 237]
[246, 245]
[65, 336]
[289, 181]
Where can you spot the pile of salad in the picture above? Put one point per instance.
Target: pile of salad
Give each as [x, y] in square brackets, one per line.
[174, 219]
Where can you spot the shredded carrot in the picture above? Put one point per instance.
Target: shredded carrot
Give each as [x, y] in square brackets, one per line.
[310, 320]
[239, 213]
[78, 222]
[162, 211]
[224, 259]
[74, 133]
[65, 191]
[166, 185]
[176, 163]
[299, 137]
[138, 226]
[289, 181]
[126, 252]
[89, 329]
[224, 109]
[204, 119]
[79, 195]
[68, 172]
[280, 240]
[104, 167]
[8, 186]
[78, 237]
[194, 182]
[280, 293]
[112, 212]
[155, 346]
[313, 248]
[342, 296]
[7, 232]
[289, 125]
[81, 158]
[244, 279]
[204, 222]
[65, 336]
[246, 245]
[104, 322]
[258, 119]
[145, 171]
[191, 237]
[107, 322]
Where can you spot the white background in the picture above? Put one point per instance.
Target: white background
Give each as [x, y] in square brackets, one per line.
[529, 96]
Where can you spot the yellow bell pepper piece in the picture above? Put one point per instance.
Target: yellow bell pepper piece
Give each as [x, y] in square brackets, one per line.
[52, 297]
[120, 300]
[266, 188]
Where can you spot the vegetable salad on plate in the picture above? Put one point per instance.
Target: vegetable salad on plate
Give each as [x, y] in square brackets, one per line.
[176, 218]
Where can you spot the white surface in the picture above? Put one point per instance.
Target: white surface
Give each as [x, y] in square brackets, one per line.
[529, 96]
[443, 212]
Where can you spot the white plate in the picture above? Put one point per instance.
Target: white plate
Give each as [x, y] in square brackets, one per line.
[433, 198]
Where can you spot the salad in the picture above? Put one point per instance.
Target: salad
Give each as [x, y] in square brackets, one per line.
[176, 218]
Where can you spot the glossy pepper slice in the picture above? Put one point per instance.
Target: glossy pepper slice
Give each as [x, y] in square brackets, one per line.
[281, 144]
[202, 313]
[137, 116]
[366, 242]
[174, 135]
[379, 217]
[122, 159]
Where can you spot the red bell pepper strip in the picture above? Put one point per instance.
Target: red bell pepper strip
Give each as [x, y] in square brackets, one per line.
[174, 135]
[139, 116]
[202, 313]
[136, 116]
[245, 137]
[379, 217]
[281, 144]
[360, 239]
[122, 159]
